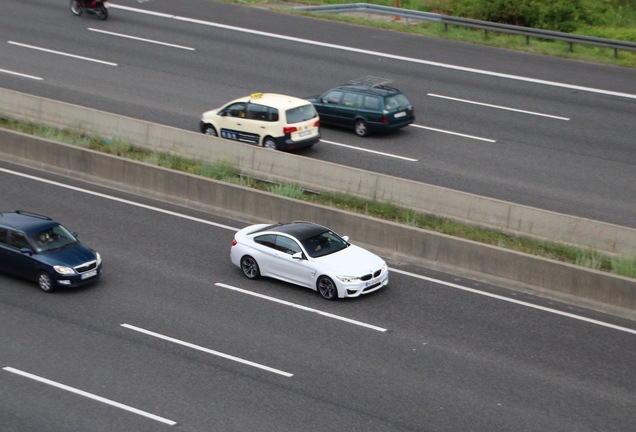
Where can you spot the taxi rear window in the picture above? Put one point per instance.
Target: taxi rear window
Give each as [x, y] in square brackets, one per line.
[301, 113]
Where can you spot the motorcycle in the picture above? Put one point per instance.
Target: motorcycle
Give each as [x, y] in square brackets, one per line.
[98, 8]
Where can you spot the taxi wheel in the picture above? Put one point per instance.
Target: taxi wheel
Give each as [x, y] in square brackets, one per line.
[270, 143]
[361, 128]
[209, 130]
[44, 282]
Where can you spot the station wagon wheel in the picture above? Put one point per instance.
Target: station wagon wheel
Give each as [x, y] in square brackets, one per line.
[250, 267]
[208, 129]
[361, 128]
[44, 282]
[270, 143]
[327, 288]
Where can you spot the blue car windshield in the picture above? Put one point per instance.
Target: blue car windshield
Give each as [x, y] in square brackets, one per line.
[52, 238]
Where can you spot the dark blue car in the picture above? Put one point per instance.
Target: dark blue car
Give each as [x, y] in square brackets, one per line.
[37, 248]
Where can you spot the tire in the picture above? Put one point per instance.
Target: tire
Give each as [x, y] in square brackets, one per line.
[208, 129]
[76, 8]
[327, 288]
[101, 12]
[270, 143]
[45, 282]
[360, 126]
[249, 266]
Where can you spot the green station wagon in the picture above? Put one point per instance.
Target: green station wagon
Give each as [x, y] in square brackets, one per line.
[364, 105]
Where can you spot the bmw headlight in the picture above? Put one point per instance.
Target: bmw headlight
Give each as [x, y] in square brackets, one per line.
[348, 279]
[64, 270]
[99, 259]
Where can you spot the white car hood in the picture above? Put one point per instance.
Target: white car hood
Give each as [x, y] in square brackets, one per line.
[352, 261]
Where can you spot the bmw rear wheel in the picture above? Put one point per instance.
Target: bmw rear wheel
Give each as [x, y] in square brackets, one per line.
[327, 288]
[250, 267]
[361, 128]
[270, 143]
[44, 282]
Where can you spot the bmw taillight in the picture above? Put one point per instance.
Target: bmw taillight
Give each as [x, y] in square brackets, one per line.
[234, 242]
[287, 130]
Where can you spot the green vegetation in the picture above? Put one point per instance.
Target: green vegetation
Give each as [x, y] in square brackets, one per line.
[225, 171]
[609, 19]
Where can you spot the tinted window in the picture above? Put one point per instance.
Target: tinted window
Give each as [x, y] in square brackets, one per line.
[333, 97]
[261, 112]
[371, 102]
[350, 100]
[395, 101]
[3, 235]
[268, 240]
[235, 110]
[287, 245]
[324, 243]
[300, 114]
[52, 238]
[17, 240]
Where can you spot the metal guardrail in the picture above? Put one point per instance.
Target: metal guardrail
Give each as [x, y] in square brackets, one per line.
[486, 26]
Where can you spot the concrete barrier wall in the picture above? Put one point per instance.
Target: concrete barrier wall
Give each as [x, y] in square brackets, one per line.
[314, 174]
[576, 285]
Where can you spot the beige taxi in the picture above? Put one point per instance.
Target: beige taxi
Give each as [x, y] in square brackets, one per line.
[269, 120]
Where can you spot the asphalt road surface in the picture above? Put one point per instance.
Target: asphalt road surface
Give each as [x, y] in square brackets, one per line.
[535, 130]
[173, 337]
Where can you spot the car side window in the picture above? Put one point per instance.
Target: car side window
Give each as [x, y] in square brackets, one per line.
[3, 236]
[372, 102]
[235, 110]
[287, 245]
[258, 112]
[333, 97]
[268, 240]
[350, 99]
[17, 240]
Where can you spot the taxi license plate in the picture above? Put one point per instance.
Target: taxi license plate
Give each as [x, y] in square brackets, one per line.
[89, 274]
[400, 114]
[304, 133]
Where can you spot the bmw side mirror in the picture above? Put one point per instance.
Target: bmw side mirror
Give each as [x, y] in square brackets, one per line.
[298, 256]
[26, 250]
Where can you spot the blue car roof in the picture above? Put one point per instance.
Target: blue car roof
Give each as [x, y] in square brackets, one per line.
[25, 221]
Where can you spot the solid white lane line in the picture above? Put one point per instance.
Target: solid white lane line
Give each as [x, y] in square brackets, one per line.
[385, 55]
[519, 302]
[498, 107]
[368, 151]
[203, 221]
[207, 350]
[61, 53]
[140, 39]
[454, 133]
[90, 396]
[20, 74]
[121, 200]
[305, 308]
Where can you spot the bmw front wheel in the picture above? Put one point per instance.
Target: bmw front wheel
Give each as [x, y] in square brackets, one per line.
[44, 282]
[250, 267]
[327, 288]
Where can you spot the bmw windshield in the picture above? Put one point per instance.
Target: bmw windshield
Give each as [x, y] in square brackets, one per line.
[323, 244]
